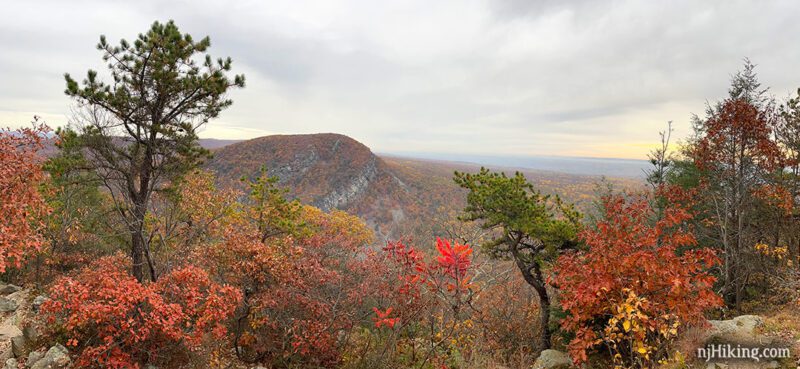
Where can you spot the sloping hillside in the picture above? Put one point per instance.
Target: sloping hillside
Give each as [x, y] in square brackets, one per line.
[326, 170]
[396, 196]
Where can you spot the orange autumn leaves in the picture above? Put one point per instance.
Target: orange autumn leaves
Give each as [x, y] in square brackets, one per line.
[113, 321]
[638, 271]
[21, 204]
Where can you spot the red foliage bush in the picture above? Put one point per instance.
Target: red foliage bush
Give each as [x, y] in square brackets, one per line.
[112, 321]
[635, 264]
[302, 291]
[410, 277]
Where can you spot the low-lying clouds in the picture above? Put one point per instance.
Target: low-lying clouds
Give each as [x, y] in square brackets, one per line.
[480, 77]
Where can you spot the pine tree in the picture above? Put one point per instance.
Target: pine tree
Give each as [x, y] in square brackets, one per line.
[140, 130]
[531, 228]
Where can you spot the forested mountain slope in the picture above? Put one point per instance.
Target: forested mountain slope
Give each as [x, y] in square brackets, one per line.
[395, 195]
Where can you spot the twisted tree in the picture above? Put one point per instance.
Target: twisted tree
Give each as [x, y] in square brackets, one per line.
[526, 226]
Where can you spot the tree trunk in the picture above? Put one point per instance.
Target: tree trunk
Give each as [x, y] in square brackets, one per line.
[544, 316]
[137, 239]
[533, 275]
[137, 253]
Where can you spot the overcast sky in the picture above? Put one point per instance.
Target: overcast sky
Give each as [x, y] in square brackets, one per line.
[506, 77]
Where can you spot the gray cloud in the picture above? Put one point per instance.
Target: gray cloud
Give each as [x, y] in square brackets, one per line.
[480, 77]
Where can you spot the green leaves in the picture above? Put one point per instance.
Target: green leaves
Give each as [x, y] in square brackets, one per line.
[529, 227]
[272, 212]
[158, 80]
[520, 213]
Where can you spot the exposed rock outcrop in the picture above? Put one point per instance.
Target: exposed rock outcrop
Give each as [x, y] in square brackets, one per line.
[14, 309]
[552, 359]
[342, 196]
[741, 331]
[17, 335]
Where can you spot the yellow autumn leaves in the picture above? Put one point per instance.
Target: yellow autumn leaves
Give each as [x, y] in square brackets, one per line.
[780, 253]
[632, 336]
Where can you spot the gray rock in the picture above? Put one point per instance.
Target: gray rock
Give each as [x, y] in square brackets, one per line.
[738, 329]
[7, 305]
[341, 196]
[11, 364]
[56, 357]
[38, 301]
[552, 359]
[7, 289]
[19, 344]
[33, 357]
[30, 333]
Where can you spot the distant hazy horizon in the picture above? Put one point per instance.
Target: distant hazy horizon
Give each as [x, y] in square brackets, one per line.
[590, 166]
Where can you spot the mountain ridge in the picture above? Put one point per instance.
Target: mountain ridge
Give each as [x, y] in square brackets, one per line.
[392, 194]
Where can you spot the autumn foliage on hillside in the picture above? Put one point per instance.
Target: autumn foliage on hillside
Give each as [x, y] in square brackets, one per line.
[22, 205]
[640, 279]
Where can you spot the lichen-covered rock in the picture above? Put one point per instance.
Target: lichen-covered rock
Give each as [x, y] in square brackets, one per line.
[552, 359]
[7, 305]
[11, 363]
[38, 301]
[56, 357]
[33, 357]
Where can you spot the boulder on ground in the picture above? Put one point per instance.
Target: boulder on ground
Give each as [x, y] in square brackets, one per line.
[33, 357]
[7, 289]
[7, 305]
[739, 329]
[19, 345]
[38, 301]
[11, 364]
[552, 359]
[30, 333]
[8, 334]
[56, 357]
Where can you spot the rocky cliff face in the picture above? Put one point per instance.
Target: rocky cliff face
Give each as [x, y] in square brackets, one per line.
[341, 197]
